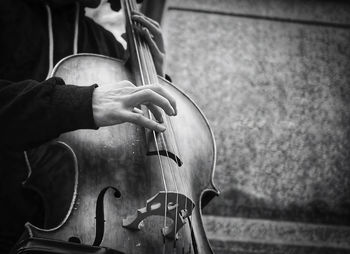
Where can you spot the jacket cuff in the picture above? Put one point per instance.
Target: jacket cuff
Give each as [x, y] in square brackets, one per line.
[74, 105]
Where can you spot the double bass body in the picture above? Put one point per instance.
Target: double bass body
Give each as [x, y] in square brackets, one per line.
[106, 175]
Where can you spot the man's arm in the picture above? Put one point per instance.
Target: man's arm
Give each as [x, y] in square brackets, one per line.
[33, 112]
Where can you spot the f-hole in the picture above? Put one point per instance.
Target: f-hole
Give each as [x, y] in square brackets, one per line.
[100, 217]
[167, 154]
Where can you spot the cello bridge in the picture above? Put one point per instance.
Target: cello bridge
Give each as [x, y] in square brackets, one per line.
[173, 205]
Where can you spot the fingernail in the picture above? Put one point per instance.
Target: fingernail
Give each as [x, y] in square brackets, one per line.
[161, 127]
[171, 112]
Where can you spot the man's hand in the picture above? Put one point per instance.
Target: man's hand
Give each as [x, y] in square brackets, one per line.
[150, 30]
[114, 106]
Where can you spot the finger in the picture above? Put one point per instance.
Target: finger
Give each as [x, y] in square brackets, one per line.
[145, 122]
[147, 96]
[163, 92]
[139, 14]
[157, 113]
[137, 110]
[144, 22]
[126, 84]
[157, 89]
[155, 50]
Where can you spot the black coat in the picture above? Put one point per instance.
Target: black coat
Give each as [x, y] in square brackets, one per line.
[34, 110]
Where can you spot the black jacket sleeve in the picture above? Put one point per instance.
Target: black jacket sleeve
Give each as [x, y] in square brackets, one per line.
[34, 112]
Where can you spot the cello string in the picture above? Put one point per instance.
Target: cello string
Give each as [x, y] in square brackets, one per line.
[142, 77]
[188, 227]
[155, 140]
[137, 39]
[162, 135]
[176, 149]
[147, 82]
[150, 80]
[154, 76]
[171, 130]
[128, 4]
[187, 191]
[142, 57]
[182, 181]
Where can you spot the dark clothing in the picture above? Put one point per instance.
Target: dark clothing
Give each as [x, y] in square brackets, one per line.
[33, 111]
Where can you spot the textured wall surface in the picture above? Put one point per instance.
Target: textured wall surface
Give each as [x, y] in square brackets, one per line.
[275, 88]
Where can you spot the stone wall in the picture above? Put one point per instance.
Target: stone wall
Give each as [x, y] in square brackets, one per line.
[273, 79]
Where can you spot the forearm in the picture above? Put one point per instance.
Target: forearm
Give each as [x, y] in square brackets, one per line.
[34, 112]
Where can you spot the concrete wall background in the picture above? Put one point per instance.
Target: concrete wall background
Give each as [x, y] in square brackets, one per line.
[275, 87]
[273, 78]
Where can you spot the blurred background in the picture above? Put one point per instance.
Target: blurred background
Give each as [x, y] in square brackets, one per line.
[273, 79]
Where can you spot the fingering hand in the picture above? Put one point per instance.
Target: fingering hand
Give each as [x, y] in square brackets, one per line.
[150, 30]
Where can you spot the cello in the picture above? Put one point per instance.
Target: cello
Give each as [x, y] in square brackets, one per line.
[124, 187]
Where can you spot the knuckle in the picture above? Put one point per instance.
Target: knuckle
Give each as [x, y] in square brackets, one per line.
[148, 92]
[137, 117]
[127, 83]
[161, 89]
[168, 104]
[155, 88]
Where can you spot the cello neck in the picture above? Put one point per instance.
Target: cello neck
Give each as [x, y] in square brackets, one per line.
[141, 59]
